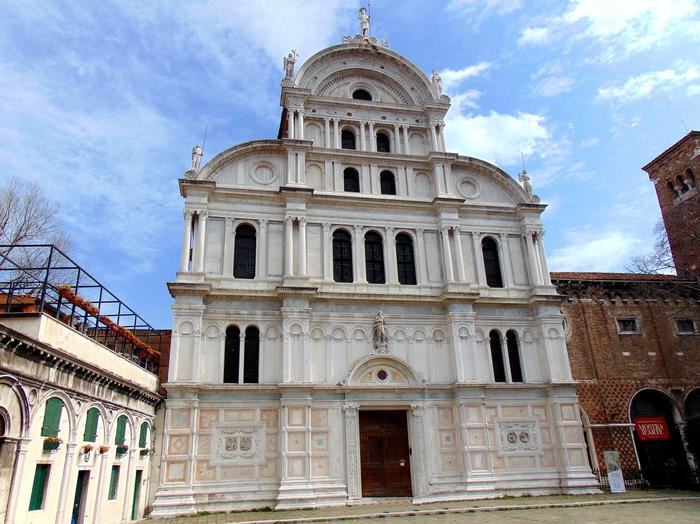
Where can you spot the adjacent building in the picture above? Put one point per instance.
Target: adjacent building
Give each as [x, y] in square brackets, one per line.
[360, 312]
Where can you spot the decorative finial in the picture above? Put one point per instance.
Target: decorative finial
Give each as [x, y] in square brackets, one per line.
[364, 22]
[288, 64]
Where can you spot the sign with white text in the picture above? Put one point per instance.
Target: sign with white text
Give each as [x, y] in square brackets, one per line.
[651, 428]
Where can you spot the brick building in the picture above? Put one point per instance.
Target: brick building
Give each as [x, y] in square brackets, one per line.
[634, 340]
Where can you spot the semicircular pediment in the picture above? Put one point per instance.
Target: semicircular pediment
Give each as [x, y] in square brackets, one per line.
[382, 371]
[385, 89]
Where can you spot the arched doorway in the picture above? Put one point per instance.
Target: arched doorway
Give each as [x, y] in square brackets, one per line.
[658, 440]
[692, 424]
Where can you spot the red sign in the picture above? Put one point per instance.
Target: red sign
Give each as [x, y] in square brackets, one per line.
[651, 428]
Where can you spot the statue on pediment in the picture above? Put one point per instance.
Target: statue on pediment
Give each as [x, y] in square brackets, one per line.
[288, 63]
[437, 82]
[364, 22]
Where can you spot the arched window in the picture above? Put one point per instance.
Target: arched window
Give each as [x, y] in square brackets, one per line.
[499, 370]
[251, 356]
[244, 252]
[492, 265]
[387, 183]
[681, 184]
[516, 371]
[232, 348]
[690, 177]
[405, 260]
[671, 189]
[342, 256]
[52, 417]
[374, 258]
[91, 421]
[143, 435]
[361, 94]
[383, 143]
[347, 139]
[351, 180]
[120, 437]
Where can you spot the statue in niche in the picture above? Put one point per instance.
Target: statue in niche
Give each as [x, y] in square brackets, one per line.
[525, 179]
[437, 82]
[289, 62]
[380, 334]
[196, 157]
[364, 22]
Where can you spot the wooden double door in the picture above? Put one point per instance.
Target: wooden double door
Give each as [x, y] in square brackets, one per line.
[385, 454]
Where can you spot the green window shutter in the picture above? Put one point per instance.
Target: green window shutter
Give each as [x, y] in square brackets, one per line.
[143, 436]
[113, 483]
[52, 417]
[93, 417]
[41, 475]
[121, 430]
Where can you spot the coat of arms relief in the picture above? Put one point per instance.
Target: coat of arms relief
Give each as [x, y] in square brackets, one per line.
[239, 444]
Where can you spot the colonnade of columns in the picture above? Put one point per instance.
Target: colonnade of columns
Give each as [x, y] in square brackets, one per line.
[366, 136]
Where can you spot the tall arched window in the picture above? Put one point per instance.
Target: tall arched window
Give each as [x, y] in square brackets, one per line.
[120, 437]
[387, 183]
[671, 189]
[681, 184]
[690, 177]
[347, 139]
[351, 180]
[374, 258]
[383, 143]
[405, 260]
[232, 348]
[52, 417]
[342, 256]
[251, 356]
[499, 370]
[492, 264]
[143, 435]
[516, 371]
[244, 252]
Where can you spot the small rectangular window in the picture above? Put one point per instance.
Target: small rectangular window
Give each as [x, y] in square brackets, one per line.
[627, 325]
[113, 483]
[41, 477]
[685, 326]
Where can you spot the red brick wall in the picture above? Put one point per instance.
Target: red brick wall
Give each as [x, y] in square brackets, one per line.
[681, 215]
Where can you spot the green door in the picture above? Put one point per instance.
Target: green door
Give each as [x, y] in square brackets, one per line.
[137, 494]
[80, 488]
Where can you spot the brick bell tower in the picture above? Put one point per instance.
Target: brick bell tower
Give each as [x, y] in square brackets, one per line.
[675, 174]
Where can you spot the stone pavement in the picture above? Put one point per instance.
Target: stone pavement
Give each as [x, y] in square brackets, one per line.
[637, 507]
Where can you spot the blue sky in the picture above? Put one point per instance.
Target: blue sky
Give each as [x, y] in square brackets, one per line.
[103, 101]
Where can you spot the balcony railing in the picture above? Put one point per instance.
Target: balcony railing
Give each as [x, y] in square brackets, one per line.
[43, 279]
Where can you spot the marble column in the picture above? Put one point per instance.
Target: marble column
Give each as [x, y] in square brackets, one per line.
[241, 355]
[479, 258]
[200, 240]
[363, 138]
[433, 137]
[336, 134]
[532, 259]
[290, 123]
[99, 493]
[543, 259]
[461, 276]
[406, 148]
[420, 460]
[301, 125]
[397, 140]
[372, 138]
[359, 251]
[288, 246]
[130, 474]
[446, 255]
[391, 264]
[186, 239]
[262, 250]
[64, 488]
[228, 247]
[505, 256]
[420, 257]
[302, 246]
[327, 132]
[327, 253]
[17, 473]
[352, 450]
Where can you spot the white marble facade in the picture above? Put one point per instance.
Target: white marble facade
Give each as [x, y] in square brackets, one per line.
[291, 438]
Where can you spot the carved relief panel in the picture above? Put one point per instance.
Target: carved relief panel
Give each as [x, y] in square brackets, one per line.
[239, 444]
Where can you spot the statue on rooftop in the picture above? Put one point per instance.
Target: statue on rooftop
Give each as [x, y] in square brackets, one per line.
[288, 62]
[196, 157]
[525, 179]
[364, 22]
[437, 82]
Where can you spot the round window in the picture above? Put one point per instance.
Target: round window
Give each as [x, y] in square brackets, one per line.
[382, 375]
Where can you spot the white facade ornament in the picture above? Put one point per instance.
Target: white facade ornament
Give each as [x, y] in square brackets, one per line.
[518, 437]
[527, 186]
[364, 22]
[380, 335]
[696, 151]
[288, 65]
[437, 82]
[196, 161]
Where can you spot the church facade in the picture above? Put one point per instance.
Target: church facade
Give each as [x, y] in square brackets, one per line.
[361, 313]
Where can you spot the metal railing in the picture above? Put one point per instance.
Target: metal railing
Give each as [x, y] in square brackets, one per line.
[42, 279]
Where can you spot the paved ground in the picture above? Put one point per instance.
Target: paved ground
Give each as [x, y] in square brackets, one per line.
[618, 509]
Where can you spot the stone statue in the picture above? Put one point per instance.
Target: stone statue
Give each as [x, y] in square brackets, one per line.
[437, 82]
[527, 186]
[364, 22]
[289, 62]
[380, 334]
[196, 157]
[696, 151]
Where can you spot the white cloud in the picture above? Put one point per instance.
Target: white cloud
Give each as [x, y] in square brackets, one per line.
[594, 251]
[554, 85]
[621, 28]
[648, 84]
[590, 142]
[499, 6]
[451, 78]
[497, 137]
[692, 90]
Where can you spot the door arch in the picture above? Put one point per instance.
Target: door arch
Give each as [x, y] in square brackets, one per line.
[658, 440]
